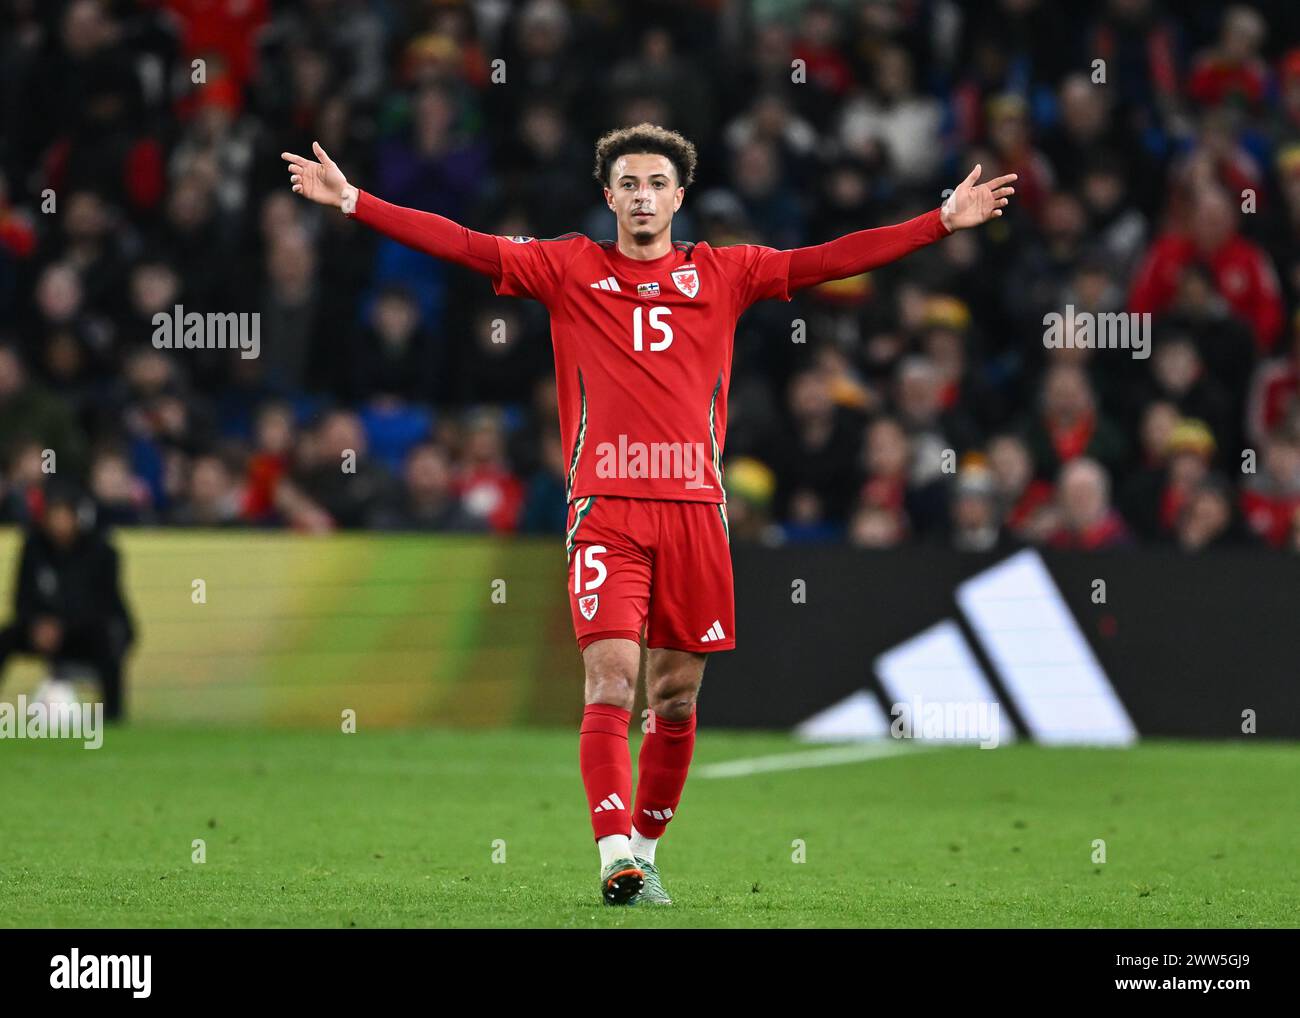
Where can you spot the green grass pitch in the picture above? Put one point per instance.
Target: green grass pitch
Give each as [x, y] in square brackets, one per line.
[400, 828]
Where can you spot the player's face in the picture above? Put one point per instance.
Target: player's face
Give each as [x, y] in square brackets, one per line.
[643, 194]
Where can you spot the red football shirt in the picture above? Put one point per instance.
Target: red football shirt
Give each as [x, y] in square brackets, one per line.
[643, 348]
[642, 355]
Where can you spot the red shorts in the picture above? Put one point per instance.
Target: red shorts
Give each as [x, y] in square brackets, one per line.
[649, 566]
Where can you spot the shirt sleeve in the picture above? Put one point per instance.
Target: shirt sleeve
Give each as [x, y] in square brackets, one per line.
[863, 250]
[757, 273]
[531, 267]
[428, 232]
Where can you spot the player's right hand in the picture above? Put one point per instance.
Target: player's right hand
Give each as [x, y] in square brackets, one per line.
[322, 181]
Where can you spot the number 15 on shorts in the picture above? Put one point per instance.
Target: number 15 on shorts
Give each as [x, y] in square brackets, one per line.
[589, 573]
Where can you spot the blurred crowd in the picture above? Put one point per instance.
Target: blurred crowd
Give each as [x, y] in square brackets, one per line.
[1158, 153]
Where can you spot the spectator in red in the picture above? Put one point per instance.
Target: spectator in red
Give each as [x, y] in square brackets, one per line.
[269, 462]
[99, 139]
[487, 488]
[1071, 424]
[1275, 392]
[887, 455]
[22, 484]
[17, 229]
[1243, 273]
[1272, 497]
[1087, 521]
[1225, 347]
[818, 46]
[1191, 448]
[905, 469]
[222, 34]
[1025, 498]
[1233, 67]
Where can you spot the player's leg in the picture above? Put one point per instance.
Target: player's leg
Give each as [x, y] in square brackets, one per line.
[692, 613]
[672, 680]
[609, 584]
[611, 667]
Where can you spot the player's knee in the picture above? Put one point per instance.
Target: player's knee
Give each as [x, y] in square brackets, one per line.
[612, 685]
[673, 699]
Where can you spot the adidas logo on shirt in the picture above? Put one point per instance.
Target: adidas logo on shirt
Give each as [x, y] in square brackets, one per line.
[613, 802]
[715, 633]
[608, 283]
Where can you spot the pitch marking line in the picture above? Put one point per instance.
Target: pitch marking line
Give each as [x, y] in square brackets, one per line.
[829, 757]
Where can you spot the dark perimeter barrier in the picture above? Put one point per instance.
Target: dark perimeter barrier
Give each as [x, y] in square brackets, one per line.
[1076, 647]
[249, 627]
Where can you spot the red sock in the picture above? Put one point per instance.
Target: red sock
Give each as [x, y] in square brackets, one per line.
[606, 768]
[661, 773]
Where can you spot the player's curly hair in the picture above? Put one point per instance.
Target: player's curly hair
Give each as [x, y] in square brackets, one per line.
[646, 139]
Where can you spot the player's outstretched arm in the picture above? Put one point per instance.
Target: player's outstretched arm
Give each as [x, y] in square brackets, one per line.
[970, 204]
[324, 183]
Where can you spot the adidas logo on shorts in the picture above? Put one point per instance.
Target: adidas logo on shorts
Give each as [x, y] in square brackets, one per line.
[715, 633]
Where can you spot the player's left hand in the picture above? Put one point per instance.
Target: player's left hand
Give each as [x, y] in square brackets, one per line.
[972, 204]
